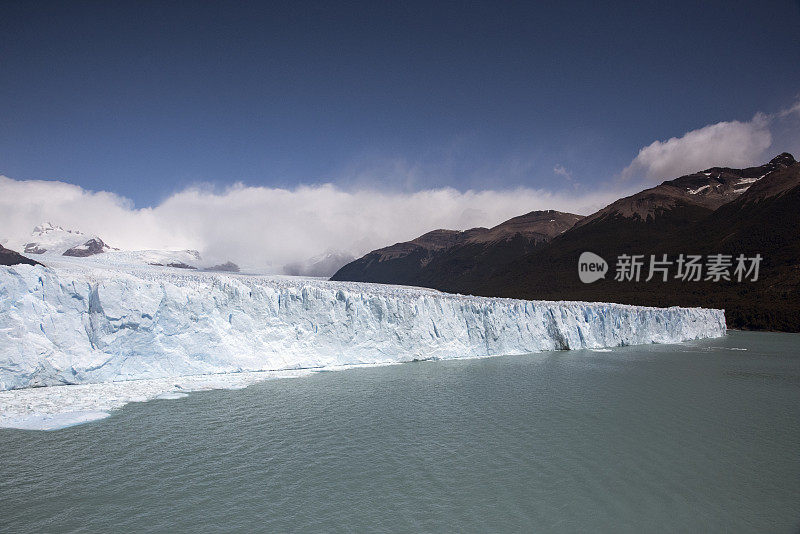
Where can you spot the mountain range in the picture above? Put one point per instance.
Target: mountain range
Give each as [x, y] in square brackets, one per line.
[459, 253]
[751, 211]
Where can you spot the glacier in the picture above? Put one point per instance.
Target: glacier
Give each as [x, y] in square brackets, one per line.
[79, 322]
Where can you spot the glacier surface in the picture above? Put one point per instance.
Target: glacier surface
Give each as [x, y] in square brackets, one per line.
[79, 322]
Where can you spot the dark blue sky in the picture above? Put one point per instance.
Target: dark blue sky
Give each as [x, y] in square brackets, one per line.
[146, 99]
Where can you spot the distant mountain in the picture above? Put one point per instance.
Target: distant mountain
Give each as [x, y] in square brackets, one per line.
[91, 247]
[322, 265]
[49, 239]
[10, 257]
[53, 239]
[717, 211]
[454, 253]
[228, 267]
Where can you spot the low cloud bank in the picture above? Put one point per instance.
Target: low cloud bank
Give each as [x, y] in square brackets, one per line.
[268, 228]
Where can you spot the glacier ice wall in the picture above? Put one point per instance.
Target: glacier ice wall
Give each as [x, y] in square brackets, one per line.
[89, 325]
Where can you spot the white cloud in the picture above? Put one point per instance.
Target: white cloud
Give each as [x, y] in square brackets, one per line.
[728, 144]
[262, 227]
[560, 170]
[724, 144]
[793, 110]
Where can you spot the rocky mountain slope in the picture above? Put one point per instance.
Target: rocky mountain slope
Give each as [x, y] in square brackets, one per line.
[10, 257]
[693, 193]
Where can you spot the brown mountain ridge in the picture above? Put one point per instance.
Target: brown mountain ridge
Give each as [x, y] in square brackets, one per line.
[407, 262]
[720, 210]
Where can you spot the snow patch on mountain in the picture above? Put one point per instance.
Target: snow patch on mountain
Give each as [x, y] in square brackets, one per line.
[748, 180]
[698, 190]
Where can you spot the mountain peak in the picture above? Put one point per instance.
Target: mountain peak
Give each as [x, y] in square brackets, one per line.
[704, 190]
[54, 239]
[48, 228]
[783, 159]
[540, 225]
[91, 247]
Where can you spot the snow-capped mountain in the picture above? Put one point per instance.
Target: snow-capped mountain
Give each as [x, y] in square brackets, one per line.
[48, 238]
[54, 243]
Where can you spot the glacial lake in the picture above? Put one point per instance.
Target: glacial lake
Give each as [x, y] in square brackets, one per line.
[697, 437]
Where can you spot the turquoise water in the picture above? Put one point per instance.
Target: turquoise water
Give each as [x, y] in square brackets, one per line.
[702, 437]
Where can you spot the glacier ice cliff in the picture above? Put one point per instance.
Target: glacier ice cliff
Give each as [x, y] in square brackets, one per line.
[78, 325]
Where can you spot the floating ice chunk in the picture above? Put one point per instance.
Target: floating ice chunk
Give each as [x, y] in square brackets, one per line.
[54, 407]
[51, 421]
[171, 395]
